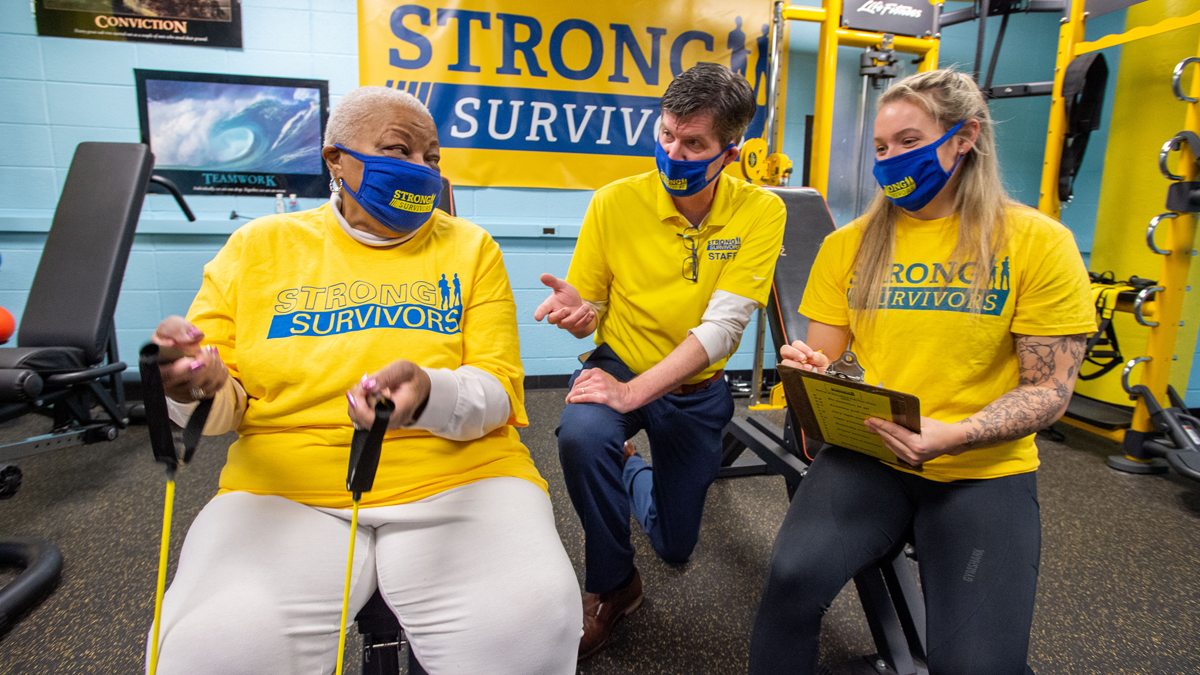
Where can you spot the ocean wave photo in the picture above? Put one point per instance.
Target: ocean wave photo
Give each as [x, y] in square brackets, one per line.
[213, 126]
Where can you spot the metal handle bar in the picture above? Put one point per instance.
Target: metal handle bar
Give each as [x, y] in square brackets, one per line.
[1128, 367]
[1167, 148]
[1176, 85]
[1154, 226]
[1139, 301]
[170, 186]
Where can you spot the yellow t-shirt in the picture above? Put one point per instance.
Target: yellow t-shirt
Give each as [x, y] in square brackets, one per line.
[926, 342]
[299, 311]
[630, 254]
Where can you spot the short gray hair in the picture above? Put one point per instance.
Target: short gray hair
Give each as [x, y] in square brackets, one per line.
[348, 115]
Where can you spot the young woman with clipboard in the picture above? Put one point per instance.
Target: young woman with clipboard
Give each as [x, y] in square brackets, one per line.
[950, 291]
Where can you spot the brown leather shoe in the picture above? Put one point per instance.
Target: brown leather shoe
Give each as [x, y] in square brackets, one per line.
[602, 611]
[630, 451]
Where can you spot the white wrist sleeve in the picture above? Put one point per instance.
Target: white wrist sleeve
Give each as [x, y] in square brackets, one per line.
[598, 306]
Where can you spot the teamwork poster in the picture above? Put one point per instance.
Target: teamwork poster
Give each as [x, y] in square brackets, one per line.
[234, 134]
[528, 93]
[200, 23]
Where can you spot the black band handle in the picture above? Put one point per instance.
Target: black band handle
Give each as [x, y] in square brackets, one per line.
[365, 449]
[158, 420]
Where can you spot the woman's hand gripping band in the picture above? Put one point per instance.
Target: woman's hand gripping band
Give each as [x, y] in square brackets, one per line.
[200, 374]
[402, 382]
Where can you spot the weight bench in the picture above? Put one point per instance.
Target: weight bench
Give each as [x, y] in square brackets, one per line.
[782, 450]
[890, 595]
[65, 362]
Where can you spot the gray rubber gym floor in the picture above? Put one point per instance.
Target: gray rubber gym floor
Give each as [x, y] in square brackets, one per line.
[1118, 591]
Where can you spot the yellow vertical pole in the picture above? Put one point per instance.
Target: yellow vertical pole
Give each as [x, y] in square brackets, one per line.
[1069, 34]
[1173, 278]
[930, 60]
[827, 51]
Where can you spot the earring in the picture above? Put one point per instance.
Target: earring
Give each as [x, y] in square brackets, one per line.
[335, 184]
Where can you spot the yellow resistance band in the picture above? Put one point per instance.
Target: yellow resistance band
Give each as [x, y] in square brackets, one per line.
[162, 573]
[345, 592]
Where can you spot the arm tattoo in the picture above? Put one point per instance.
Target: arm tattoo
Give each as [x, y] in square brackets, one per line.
[1048, 369]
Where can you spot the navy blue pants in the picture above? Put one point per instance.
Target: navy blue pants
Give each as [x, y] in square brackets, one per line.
[978, 543]
[668, 500]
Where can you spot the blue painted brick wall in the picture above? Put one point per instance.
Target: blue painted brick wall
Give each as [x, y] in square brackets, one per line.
[58, 92]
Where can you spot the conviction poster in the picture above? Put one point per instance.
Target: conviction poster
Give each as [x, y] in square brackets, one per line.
[202, 23]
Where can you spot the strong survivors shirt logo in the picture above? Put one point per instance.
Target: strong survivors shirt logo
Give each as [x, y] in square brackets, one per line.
[673, 183]
[901, 188]
[407, 201]
[933, 287]
[723, 249]
[345, 308]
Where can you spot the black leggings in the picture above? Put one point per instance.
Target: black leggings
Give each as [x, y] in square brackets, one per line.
[978, 542]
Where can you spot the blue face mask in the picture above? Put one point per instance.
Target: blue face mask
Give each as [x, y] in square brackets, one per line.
[913, 179]
[400, 195]
[680, 178]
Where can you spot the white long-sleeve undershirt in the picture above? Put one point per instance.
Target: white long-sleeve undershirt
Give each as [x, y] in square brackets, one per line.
[722, 324]
[464, 404]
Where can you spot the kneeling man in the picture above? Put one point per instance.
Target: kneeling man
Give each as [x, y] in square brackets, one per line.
[669, 267]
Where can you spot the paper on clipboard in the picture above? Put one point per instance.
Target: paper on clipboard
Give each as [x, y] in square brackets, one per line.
[832, 410]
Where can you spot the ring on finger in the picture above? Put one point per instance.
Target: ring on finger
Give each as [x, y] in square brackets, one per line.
[197, 393]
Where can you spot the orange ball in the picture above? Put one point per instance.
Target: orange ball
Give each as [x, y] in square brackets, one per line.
[7, 325]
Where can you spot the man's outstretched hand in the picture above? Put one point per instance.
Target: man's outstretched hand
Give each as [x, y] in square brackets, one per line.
[565, 309]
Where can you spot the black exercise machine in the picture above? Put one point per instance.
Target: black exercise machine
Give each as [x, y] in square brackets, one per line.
[782, 450]
[66, 362]
[66, 359]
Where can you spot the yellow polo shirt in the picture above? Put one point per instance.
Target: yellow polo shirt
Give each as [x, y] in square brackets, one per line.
[631, 255]
[925, 340]
[299, 311]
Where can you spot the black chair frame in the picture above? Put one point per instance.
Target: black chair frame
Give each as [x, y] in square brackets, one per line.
[66, 362]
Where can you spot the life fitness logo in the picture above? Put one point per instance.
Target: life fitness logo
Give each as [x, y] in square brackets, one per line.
[140, 23]
[876, 7]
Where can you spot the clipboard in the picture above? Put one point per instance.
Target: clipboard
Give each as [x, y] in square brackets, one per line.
[831, 409]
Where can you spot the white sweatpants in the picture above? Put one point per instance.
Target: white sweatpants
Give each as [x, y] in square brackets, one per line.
[476, 575]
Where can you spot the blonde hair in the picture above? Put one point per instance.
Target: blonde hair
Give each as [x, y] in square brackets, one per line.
[980, 200]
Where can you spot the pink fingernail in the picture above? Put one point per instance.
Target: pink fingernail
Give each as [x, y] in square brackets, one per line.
[351, 399]
[196, 365]
[371, 383]
[195, 332]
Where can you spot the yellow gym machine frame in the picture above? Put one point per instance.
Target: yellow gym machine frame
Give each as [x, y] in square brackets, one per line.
[832, 36]
[829, 15]
[1162, 313]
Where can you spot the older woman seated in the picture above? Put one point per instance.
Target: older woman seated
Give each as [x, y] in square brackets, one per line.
[458, 532]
